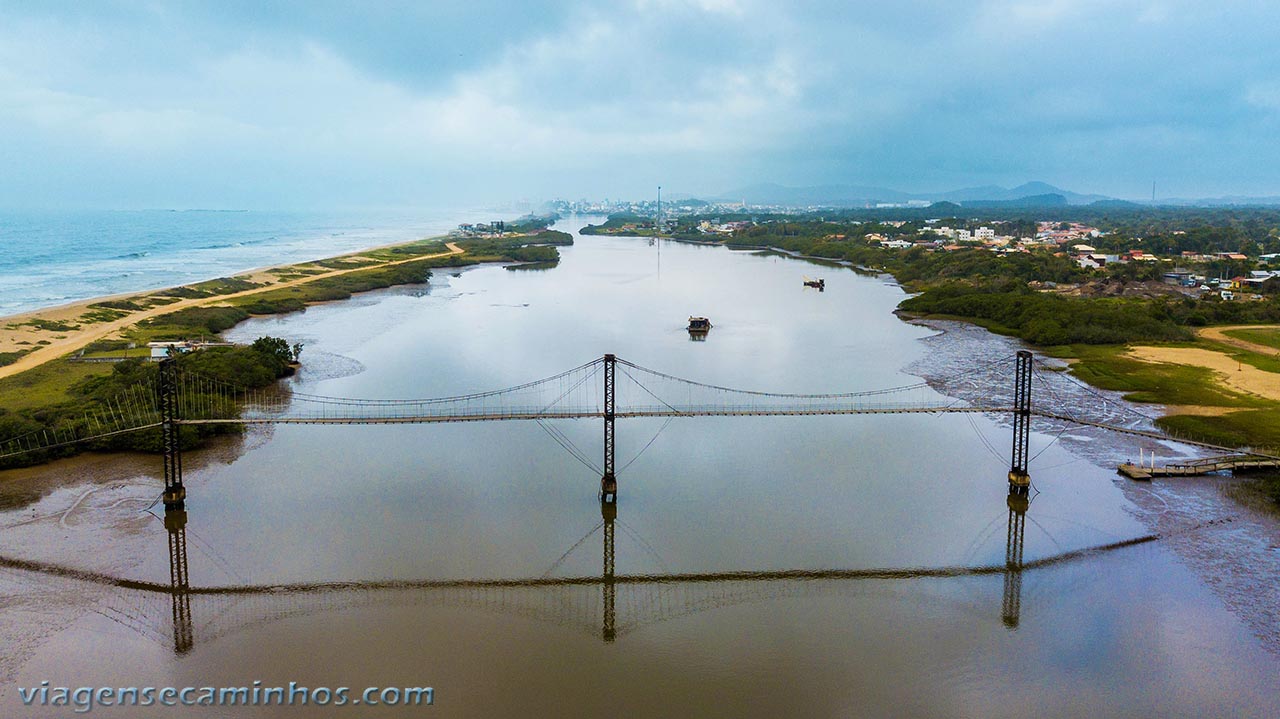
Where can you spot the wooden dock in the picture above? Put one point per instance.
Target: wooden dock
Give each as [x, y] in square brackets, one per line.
[1235, 463]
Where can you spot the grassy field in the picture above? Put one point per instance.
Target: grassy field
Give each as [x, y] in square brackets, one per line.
[46, 385]
[1107, 367]
[1268, 337]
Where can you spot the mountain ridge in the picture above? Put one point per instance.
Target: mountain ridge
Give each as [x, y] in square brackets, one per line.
[844, 195]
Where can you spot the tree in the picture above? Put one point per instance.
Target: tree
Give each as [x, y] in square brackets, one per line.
[276, 348]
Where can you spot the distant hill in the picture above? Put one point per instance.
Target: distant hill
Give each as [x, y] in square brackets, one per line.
[1051, 199]
[862, 196]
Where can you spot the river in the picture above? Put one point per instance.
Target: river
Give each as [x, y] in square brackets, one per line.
[1129, 632]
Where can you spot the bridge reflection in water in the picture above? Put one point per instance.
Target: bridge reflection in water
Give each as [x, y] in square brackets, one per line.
[609, 605]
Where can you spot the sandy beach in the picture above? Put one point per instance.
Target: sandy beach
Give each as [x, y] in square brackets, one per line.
[65, 327]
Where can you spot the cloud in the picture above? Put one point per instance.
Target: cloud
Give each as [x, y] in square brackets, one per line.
[488, 100]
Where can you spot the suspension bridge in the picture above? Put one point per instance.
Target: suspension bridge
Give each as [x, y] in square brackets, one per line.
[607, 389]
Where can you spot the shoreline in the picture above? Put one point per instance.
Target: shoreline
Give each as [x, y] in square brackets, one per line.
[21, 333]
[246, 273]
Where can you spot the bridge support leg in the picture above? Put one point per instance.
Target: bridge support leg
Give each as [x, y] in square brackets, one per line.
[1019, 479]
[175, 520]
[609, 512]
[608, 482]
[1011, 606]
[175, 494]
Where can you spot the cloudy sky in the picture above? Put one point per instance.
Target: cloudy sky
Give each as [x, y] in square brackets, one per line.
[316, 104]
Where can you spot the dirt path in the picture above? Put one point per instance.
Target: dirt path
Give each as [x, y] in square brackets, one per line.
[1219, 334]
[79, 338]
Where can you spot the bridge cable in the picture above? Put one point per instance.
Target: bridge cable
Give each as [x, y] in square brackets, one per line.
[649, 392]
[647, 446]
[982, 438]
[556, 564]
[644, 544]
[663, 375]
[1062, 431]
[568, 446]
[579, 383]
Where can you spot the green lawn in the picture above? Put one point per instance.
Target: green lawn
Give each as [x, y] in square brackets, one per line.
[1269, 337]
[1105, 366]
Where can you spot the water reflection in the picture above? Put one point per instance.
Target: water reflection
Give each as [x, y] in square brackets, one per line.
[175, 522]
[575, 601]
[1011, 607]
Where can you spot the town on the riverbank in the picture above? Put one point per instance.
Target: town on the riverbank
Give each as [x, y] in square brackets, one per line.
[1177, 306]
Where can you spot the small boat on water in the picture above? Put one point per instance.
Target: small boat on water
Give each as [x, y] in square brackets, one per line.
[819, 283]
[699, 327]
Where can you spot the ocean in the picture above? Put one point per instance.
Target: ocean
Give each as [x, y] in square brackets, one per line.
[51, 258]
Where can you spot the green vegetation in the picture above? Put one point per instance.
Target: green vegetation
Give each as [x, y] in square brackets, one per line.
[8, 358]
[340, 287]
[531, 224]
[1249, 428]
[346, 263]
[126, 305]
[623, 224]
[224, 286]
[62, 399]
[101, 315]
[188, 322]
[1266, 337]
[1050, 319]
[412, 249]
[1108, 367]
[51, 325]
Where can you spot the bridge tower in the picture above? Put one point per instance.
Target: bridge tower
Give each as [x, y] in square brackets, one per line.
[609, 483]
[609, 512]
[175, 494]
[175, 521]
[1019, 479]
[1011, 607]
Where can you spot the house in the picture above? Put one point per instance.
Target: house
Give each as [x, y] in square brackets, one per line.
[172, 348]
[162, 350]
[1140, 256]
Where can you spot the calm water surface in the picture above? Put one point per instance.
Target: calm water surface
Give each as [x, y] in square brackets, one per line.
[1125, 633]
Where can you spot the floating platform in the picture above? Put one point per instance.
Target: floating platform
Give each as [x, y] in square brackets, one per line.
[1236, 464]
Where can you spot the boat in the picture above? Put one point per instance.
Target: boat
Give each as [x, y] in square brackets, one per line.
[699, 327]
[818, 283]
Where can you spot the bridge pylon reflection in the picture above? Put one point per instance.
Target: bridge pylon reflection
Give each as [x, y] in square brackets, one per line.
[608, 584]
[1011, 606]
[175, 521]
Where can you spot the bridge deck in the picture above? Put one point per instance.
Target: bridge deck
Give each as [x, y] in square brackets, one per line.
[514, 416]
